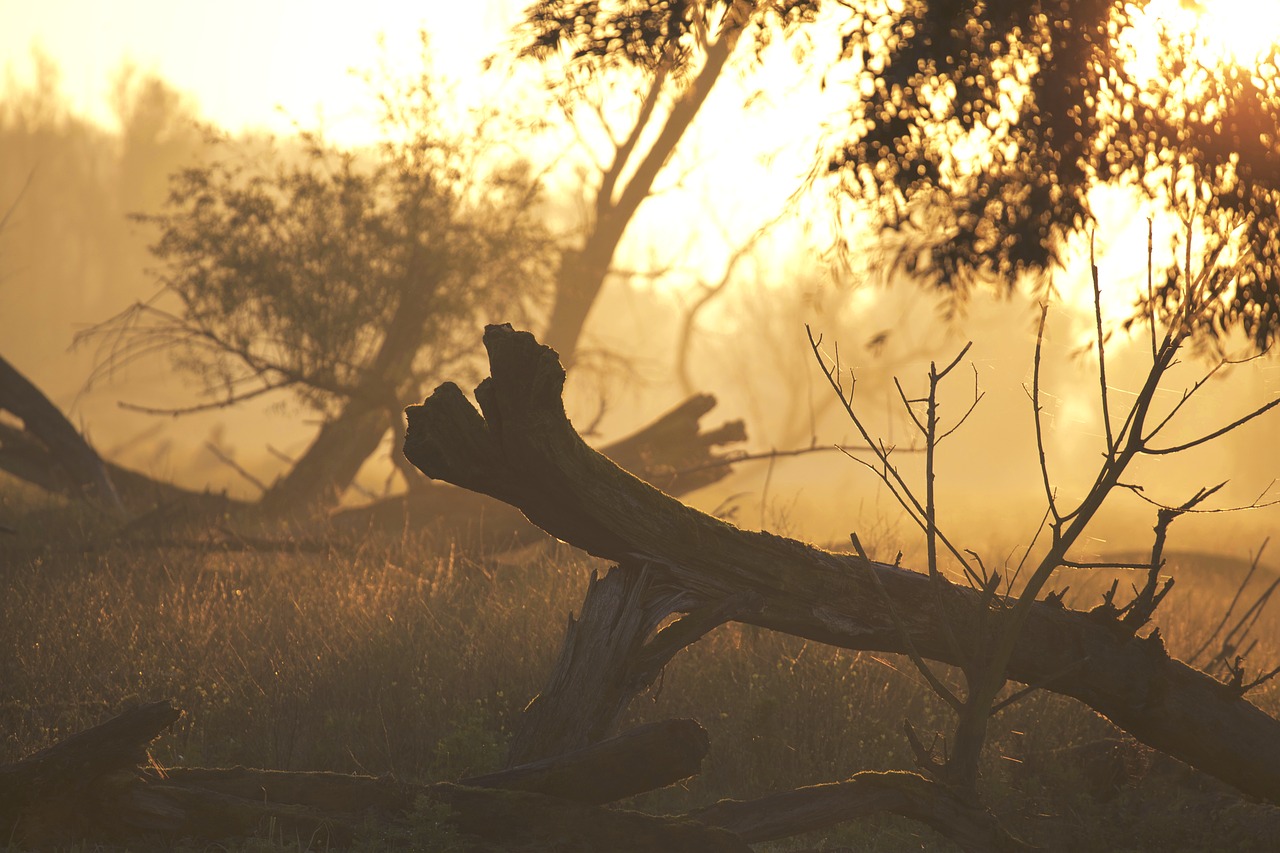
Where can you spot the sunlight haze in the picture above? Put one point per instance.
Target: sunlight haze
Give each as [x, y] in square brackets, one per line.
[243, 62]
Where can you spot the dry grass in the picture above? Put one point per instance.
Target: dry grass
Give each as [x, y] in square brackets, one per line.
[413, 657]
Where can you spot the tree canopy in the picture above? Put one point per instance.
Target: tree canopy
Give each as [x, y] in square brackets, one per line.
[982, 125]
[337, 273]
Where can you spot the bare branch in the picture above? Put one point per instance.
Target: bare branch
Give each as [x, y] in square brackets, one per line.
[1102, 356]
[914, 509]
[1261, 410]
[977, 398]
[1037, 409]
[1253, 568]
[233, 465]
[226, 402]
[930, 676]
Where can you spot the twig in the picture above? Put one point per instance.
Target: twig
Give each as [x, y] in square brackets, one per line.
[1038, 411]
[233, 465]
[1263, 409]
[744, 456]
[934, 682]
[1018, 695]
[1253, 568]
[1102, 356]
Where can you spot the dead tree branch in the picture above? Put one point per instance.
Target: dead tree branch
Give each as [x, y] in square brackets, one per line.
[523, 450]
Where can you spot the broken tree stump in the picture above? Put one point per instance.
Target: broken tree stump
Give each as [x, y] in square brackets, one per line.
[521, 449]
[611, 654]
[55, 793]
[674, 453]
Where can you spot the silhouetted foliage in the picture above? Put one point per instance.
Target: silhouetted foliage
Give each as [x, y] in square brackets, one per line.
[980, 127]
[337, 273]
[989, 124]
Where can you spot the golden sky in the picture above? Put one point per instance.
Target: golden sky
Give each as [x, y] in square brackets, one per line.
[242, 59]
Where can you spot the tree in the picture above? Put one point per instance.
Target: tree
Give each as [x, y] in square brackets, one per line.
[671, 57]
[979, 128]
[672, 560]
[992, 122]
[349, 279]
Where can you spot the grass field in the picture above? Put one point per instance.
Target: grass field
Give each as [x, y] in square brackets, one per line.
[414, 657]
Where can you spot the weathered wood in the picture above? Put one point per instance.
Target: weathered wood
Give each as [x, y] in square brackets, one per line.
[53, 793]
[673, 452]
[610, 655]
[591, 682]
[642, 759]
[817, 807]
[99, 784]
[487, 819]
[524, 451]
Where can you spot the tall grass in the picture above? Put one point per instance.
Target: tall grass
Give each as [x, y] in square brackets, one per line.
[415, 656]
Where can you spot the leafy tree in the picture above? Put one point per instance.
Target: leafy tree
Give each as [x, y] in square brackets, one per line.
[980, 127]
[350, 279]
[991, 122]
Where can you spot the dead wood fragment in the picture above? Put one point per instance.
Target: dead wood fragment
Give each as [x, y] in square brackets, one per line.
[159, 503]
[53, 793]
[610, 655]
[642, 759]
[100, 785]
[520, 448]
[674, 453]
[821, 806]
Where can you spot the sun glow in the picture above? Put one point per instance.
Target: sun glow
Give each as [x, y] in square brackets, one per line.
[1241, 32]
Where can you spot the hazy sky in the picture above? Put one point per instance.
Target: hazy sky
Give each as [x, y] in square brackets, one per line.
[244, 58]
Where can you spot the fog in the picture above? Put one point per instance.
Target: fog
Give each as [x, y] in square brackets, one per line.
[70, 258]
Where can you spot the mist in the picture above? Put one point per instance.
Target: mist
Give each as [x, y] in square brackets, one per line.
[73, 257]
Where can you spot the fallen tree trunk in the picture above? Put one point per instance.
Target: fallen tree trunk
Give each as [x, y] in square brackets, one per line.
[41, 419]
[523, 450]
[815, 807]
[24, 456]
[673, 453]
[99, 784]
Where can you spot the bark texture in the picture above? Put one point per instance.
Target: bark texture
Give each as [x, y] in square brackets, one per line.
[521, 449]
[674, 452]
[100, 785]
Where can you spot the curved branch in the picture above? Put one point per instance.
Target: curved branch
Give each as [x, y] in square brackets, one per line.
[523, 450]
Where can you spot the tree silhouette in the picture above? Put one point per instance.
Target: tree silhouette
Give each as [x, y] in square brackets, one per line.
[349, 279]
[662, 62]
[980, 127]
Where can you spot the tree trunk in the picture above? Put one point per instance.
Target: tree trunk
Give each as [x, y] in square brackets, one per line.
[582, 273]
[523, 450]
[330, 463]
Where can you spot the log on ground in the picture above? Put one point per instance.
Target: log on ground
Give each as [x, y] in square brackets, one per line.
[521, 449]
[100, 785]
